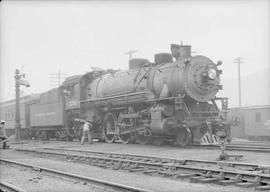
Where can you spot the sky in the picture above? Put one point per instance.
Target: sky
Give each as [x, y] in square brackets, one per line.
[43, 37]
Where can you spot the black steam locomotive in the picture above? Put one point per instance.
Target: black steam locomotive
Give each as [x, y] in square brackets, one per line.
[170, 99]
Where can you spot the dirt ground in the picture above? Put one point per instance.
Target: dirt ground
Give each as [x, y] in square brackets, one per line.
[34, 181]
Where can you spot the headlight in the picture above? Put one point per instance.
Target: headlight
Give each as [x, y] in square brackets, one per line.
[212, 73]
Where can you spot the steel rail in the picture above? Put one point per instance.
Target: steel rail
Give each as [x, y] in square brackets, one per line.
[168, 168]
[94, 181]
[251, 143]
[234, 147]
[8, 187]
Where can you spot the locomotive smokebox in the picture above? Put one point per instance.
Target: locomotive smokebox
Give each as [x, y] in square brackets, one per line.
[180, 51]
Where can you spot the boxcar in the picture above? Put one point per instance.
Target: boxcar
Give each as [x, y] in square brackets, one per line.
[251, 122]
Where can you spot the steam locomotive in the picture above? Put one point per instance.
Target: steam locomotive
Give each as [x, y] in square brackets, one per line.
[171, 99]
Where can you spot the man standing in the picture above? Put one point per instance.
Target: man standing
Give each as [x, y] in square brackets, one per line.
[3, 136]
[87, 132]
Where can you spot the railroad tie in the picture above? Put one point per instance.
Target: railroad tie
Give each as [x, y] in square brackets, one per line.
[117, 165]
[166, 173]
[207, 178]
[227, 182]
[150, 171]
[196, 178]
[125, 166]
[136, 170]
[183, 175]
[263, 188]
[236, 179]
[248, 184]
[253, 183]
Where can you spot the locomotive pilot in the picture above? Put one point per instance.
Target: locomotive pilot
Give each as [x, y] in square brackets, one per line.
[87, 132]
[3, 136]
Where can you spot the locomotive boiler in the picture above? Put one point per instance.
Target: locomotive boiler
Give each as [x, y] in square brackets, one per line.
[170, 99]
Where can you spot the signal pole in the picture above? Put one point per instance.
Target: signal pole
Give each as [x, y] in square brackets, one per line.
[17, 114]
[57, 78]
[18, 81]
[239, 60]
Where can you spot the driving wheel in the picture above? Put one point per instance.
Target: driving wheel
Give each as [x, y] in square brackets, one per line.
[109, 127]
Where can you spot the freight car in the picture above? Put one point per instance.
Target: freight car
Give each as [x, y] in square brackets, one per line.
[251, 122]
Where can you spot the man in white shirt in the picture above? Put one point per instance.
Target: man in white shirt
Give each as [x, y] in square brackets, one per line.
[3, 136]
[87, 132]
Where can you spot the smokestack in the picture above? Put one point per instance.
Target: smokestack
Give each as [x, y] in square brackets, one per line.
[180, 51]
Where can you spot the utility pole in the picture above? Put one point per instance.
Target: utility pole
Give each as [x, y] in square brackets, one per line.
[239, 60]
[130, 53]
[57, 78]
[18, 81]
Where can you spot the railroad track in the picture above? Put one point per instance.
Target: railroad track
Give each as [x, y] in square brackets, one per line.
[224, 173]
[109, 186]
[8, 187]
[158, 159]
